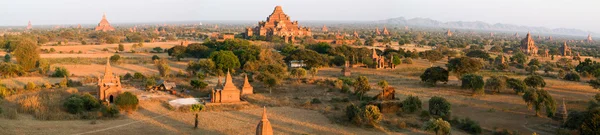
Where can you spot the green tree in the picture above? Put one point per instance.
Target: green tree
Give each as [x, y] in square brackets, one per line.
[271, 81]
[411, 104]
[163, 67]
[432, 56]
[517, 85]
[383, 84]
[464, 65]
[121, 47]
[60, 72]
[361, 86]
[439, 106]
[115, 58]
[433, 75]
[225, 60]
[372, 115]
[473, 82]
[74, 104]
[535, 81]
[539, 99]
[155, 57]
[127, 101]
[7, 57]
[495, 83]
[519, 57]
[439, 126]
[198, 51]
[310, 58]
[198, 84]
[27, 53]
[298, 73]
[177, 52]
[313, 72]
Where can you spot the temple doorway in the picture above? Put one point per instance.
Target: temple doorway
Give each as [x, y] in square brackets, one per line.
[110, 99]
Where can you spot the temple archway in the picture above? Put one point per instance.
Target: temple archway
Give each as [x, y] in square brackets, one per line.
[110, 99]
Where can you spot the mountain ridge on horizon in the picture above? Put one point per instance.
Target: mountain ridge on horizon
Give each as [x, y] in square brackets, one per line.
[480, 25]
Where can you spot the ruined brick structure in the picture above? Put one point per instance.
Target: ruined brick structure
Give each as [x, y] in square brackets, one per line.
[387, 94]
[356, 34]
[104, 25]
[109, 87]
[279, 24]
[377, 31]
[324, 29]
[380, 61]
[449, 33]
[528, 46]
[229, 93]
[264, 126]
[564, 50]
[589, 38]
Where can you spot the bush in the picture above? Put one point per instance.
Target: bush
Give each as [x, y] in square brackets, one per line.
[439, 126]
[434, 74]
[110, 111]
[74, 104]
[138, 75]
[535, 81]
[372, 115]
[495, 83]
[197, 108]
[353, 114]
[315, 101]
[4, 92]
[407, 61]
[411, 104]
[473, 82]
[572, 77]
[127, 101]
[127, 76]
[198, 84]
[467, 125]
[439, 106]
[155, 57]
[31, 86]
[90, 103]
[115, 58]
[517, 85]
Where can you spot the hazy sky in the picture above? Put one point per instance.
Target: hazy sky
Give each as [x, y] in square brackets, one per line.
[580, 14]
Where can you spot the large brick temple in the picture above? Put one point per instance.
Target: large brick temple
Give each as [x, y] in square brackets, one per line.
[279, 24]
[104, 25]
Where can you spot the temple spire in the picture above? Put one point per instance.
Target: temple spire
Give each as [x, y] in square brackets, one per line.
[108, 69]
[229, 82]
[264, 114]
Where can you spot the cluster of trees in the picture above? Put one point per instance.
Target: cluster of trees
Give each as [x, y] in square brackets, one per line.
[586, 122]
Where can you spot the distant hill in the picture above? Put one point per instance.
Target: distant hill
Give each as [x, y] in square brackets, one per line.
[478, 25]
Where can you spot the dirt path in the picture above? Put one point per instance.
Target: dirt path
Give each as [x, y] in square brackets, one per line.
[122, 125]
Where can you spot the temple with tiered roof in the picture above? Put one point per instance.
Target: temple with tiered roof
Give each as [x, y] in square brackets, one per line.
[528, 45]
[279, 24]
[104, 25]
[109, 87]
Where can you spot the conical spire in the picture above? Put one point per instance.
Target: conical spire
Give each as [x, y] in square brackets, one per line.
[264, 114]
[246, 82]
[264, 126]
[103, 16]
[107, 69]
[229, 82]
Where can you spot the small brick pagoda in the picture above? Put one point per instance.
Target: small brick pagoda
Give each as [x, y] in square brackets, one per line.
[564, 50]
[227, 94]
[247, 88]
[104, 25]
[109, 87]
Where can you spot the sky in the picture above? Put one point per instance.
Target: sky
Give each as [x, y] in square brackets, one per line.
[579, 14]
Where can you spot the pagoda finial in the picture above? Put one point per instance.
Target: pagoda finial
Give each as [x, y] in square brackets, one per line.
[264, 114]
[104, 15]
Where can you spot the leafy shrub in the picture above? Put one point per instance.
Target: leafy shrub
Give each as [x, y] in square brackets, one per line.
[315, 101]
[198, 84]
[495, 83]
[127, 101]
[473, 82]
[115, 58]
[467, 125]
[73, 83]
[439, 106]
[60, 72]
[407, 61]
[138, 75]
[197, 108]
[155, 57]
[535, 81]
[517, 85]
[90, 103]
[31, 86]
[411, 104]
[372, 115]
[572, 77]
[74, 104]
[439, 126]
[347, 80]
[127, 76]
[110, 111]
